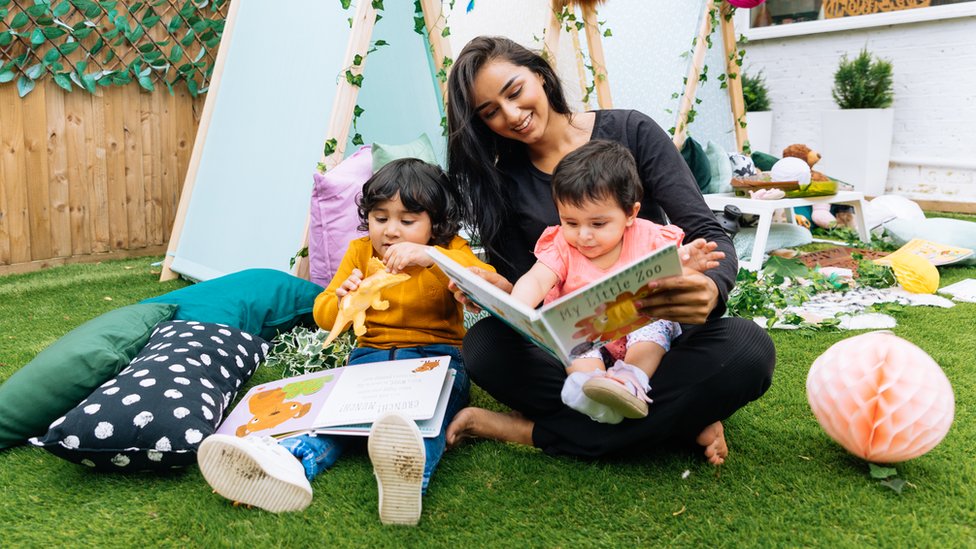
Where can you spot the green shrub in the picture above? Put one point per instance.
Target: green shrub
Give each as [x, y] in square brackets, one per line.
[863, 83]
[755, 93]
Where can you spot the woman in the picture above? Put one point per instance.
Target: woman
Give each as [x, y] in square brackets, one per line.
[509, 125]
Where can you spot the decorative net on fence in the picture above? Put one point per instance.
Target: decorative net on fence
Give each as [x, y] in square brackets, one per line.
[86, 43]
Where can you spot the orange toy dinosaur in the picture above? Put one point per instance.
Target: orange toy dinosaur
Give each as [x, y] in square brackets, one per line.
[352, 308]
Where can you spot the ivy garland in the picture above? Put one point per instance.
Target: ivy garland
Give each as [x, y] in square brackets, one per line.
[569, 21]
[91, 43]
[354, 79]
[737, 57]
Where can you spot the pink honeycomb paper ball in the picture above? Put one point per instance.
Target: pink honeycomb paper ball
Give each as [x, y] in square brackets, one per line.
[745, 3]
[881, 397]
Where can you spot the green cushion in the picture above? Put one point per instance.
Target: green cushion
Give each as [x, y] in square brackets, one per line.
[418, 148]
[697, 161]
[258, 301]
[721, 169]
[68, 370]
[763, 161]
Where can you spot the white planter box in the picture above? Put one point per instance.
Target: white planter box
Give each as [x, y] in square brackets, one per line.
[759, 126]
[856, 147]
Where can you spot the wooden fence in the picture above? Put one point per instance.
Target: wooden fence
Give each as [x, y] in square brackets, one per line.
[85, 175]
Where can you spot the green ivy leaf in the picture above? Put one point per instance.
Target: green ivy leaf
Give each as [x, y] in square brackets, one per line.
[357, 139]
[446, 32]
[6, 76]
[151, 21]
[357, 111]
[37, 10]
[379, 43]
[62, 8]
[51, 55]
[377, 4]
[6, 38]
[146, 82]
[146, 48]
[881, 472]
[418, 25]
[34, 72]
[786, 268]
[175, 54]
[193, 87]
[62, 80]
[896, 484]
[37, 37]
[174, 24]
[345, 4]
[330, 147]
[357, 60]
[81, 34]
[68, 47]
[607, 33]
[24, 85]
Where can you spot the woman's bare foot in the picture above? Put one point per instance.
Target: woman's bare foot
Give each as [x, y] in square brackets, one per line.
[713, 439]
[478, 422]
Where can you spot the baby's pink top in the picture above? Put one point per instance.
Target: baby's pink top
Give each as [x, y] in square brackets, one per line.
[575, 270]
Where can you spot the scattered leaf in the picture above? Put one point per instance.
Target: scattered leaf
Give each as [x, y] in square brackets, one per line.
[880, 472]
[686, 474]
[896, 484]
[107, 298]
[679, 511]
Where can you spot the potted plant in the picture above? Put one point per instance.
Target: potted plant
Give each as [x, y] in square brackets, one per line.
[759, 119]
[856, 140]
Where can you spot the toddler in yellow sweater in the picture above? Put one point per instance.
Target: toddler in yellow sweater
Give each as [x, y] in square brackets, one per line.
[406, 207]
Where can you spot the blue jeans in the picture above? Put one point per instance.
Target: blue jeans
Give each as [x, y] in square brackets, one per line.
[319, 452]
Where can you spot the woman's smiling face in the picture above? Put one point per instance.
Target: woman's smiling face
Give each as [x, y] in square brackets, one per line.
[511, 101]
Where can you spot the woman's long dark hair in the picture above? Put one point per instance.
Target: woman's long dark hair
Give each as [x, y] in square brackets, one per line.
[473, 149]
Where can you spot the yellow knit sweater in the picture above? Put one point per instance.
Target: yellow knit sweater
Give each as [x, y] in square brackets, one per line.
[422, 310]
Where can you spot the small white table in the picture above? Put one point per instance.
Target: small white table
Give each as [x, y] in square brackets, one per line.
[765, 208]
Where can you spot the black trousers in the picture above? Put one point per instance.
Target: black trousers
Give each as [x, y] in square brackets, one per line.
[711, 371]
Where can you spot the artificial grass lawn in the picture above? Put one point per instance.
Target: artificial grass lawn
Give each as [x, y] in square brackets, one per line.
[785, 483]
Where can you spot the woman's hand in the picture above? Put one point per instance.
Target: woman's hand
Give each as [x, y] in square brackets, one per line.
[406, 254]
[494, 279]
[350, 284]
[687, 298]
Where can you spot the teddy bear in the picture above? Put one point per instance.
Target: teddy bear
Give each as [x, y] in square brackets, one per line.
[821, 212]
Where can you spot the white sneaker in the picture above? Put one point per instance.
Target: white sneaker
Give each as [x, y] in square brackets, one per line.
[255, 471]
[396, 449]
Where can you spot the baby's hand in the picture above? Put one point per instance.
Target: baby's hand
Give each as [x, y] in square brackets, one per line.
[406, 254]
[350, 285]
[700, 255]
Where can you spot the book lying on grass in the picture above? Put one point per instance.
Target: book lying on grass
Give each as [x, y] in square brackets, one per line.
[347, 399]
[937, 254]
[593, 315]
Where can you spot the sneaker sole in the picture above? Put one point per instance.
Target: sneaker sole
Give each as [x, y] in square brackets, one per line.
[616, 397]
[396, 449]
[235, 475]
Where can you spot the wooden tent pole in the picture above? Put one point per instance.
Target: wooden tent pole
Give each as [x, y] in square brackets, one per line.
[691, 80]
[734, 78]
[441, 49]
[595, 44]
[551, 40]
[190, 179]
[342, 107]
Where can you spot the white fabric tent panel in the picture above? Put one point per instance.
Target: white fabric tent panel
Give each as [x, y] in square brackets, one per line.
[251, 195]
[647, 60]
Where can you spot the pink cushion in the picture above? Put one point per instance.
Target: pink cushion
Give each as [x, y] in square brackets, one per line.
[334, 217]
[881, 397]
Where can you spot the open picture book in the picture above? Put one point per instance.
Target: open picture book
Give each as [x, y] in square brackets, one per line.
[592, 316]
[346, 400]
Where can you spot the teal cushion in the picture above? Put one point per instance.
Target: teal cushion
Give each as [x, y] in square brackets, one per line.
[943, 230]
[69, 369]
[697, 161]
[418, 148]
[781, 235]
[720, 167]
[258, 301]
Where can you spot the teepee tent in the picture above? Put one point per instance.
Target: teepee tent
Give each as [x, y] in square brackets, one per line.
[275, 100]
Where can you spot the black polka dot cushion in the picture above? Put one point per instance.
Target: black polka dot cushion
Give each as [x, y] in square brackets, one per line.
[156, 411]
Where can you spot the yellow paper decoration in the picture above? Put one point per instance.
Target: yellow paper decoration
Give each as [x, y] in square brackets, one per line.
[915, 273]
